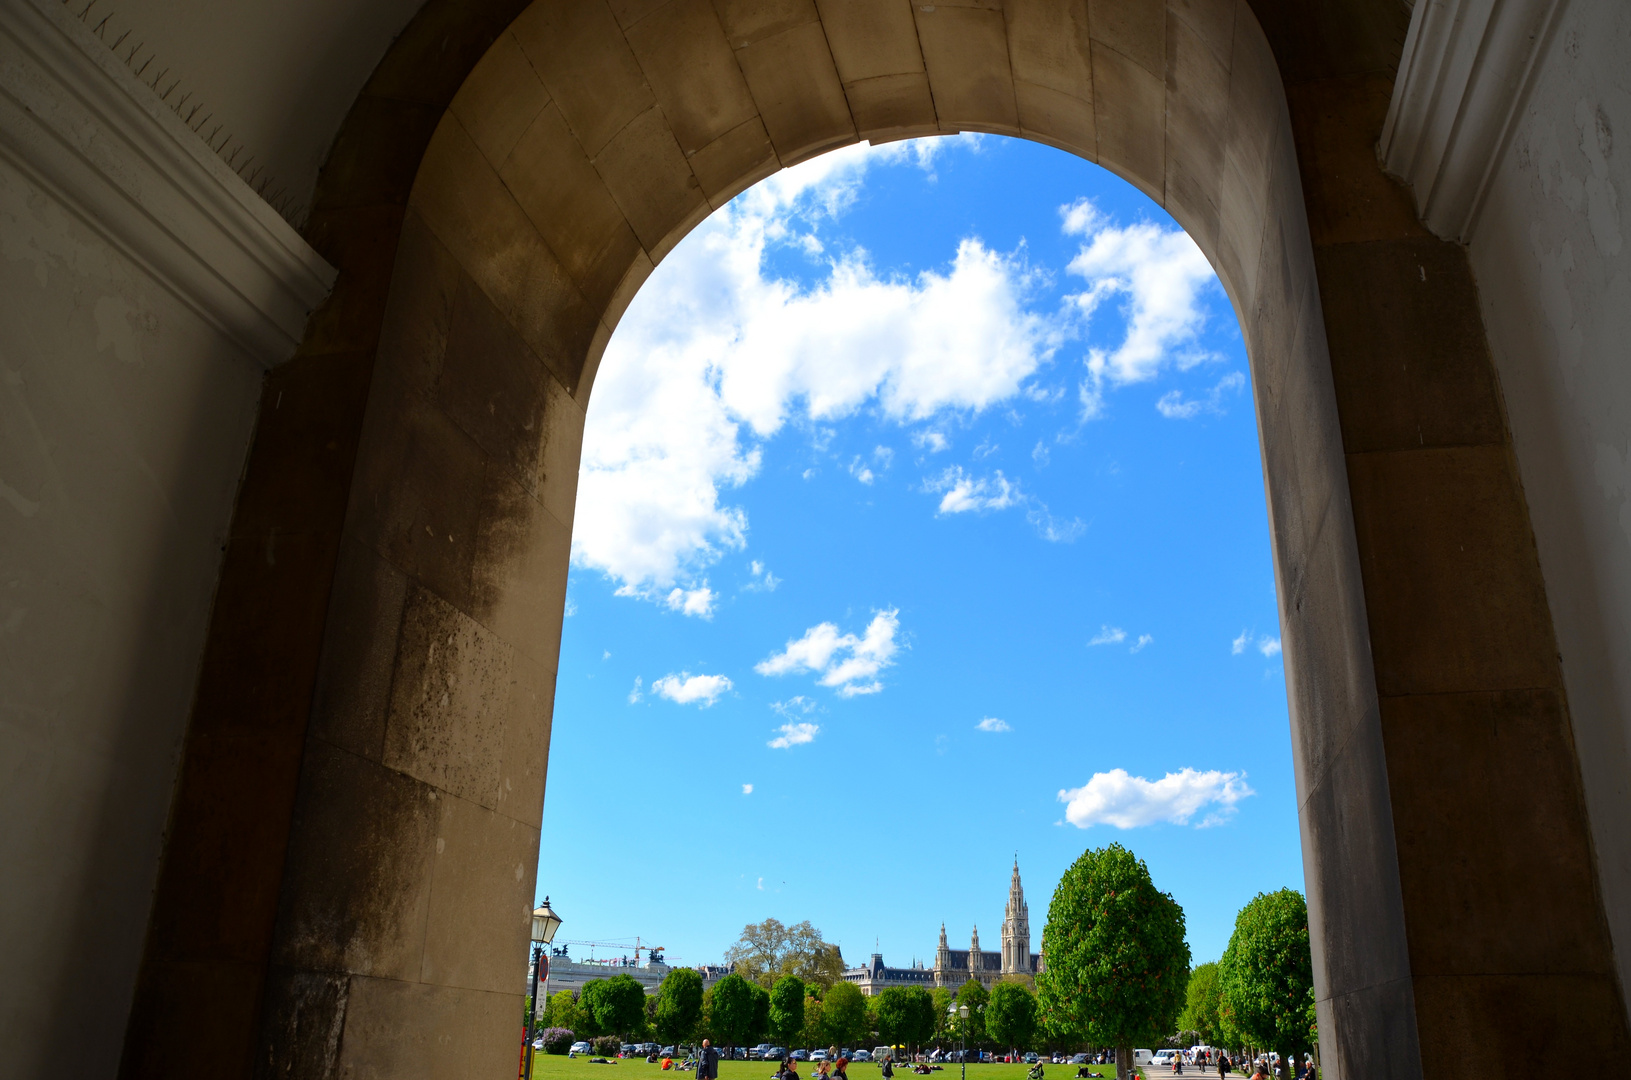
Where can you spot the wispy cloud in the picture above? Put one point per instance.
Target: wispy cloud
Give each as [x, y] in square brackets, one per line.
[845, 661]
[794, 735]
[1142, 643]
[991, 723]
[747, 789]
[1108, 635]
[635, 695]
[965, 493]
[1174, 406]
[1159, 275]
[1238, 645]
[1128, 802]
[763, 580]
[687, 689]
[1269, 646]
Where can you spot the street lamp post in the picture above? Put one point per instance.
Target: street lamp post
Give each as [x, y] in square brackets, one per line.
[544, 924]
[961, 1012]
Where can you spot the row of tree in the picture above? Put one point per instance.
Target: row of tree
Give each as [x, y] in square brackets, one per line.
[1117, 975]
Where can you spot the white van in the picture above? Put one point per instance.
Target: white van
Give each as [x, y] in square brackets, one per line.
[883, 1053]
[1142, 1057]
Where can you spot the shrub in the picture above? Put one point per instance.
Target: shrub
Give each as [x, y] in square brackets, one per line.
[607, 1045]
[557, 1040]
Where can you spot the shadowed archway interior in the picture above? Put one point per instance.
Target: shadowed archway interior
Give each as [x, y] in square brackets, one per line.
[356, 825]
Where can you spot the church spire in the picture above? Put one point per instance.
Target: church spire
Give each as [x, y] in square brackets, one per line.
[1016, 929]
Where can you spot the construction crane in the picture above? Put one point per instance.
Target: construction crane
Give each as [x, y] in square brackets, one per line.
[655, 950]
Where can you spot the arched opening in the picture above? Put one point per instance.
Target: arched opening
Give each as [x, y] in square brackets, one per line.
[381, 924]
[898, 436]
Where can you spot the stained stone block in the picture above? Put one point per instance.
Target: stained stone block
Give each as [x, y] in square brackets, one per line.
[648, 176]
[518, 584]
[558, 188]
[735, 162]
[1213, 23]
[870, 38]
[1134, 29]
[527, 727]
[481, 892]
[1048, 46]
[893, 106]
[586, 65]
[500, 99]
[449, 699]
[966, 53]
[359, 652]
[424, 1031]
[413, 336]
[684, 54]
[1057, 119]
[750, 21]
[796, 86]
[1129, 105]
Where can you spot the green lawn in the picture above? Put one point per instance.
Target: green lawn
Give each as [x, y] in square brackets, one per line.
[560, 1067]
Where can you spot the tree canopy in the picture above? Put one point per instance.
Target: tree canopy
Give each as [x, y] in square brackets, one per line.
[561, 1011]
[787, 1009]
[618, 1004]
[905, 1015]
[1202, 1004]
[1010, 1015]
[770, 949]
[732, 1002]
[1266, 976]
[1118, 964]
[974, 995]
[843, 1015]
[679, 1005]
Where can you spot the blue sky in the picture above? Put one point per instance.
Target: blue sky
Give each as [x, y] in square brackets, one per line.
[920, 524]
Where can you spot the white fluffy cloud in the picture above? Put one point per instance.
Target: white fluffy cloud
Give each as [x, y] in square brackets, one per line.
[715, 356]
[849, 663]
[1127, 802]
[1108, 635]
[794, 735]
[1159, 274]
[991, 723]
[1269, 646]
[747, 789]
[686, 688]
[965, 493]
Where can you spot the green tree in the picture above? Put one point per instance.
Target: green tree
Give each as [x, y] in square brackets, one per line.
[1202, 1002]
[1010, 1016]
[974, 995]
[814, 1033]
[768, 950]
[942, 999]
[1117, 961]
[843, 1015]
[761, 1012]
[561, 1010]
[679, 1005]
[1267, 975]
[731, 1016]
[905, 1015]
[618, 1005]
[787, 1009]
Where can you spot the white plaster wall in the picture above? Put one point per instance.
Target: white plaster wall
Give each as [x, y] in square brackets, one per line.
[1550, 253]
[124, 424]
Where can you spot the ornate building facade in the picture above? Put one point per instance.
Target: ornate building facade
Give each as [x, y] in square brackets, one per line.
[954, 967]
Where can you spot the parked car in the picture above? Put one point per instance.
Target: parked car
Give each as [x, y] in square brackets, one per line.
[1030, 1059]
[801, 1055]
[772, 1053]
[1163, 1058]
[818, 1055]
[1079, 1059]
[668, 1051]
[861, 1055]
[580, 1047]
[883, 1053]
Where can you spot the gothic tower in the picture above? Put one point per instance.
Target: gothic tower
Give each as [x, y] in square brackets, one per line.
[942, 959]
[1016, 930]
[976, 965]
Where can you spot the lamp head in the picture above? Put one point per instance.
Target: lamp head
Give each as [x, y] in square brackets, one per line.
[544, 923]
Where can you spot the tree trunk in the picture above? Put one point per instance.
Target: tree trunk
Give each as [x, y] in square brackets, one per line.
[1124, 1062]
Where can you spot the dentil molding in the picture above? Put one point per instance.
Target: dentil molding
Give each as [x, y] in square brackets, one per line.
[1465, 75]
[79, 125]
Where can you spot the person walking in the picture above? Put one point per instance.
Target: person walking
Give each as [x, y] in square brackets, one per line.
[839, 1067]
[708, 1062]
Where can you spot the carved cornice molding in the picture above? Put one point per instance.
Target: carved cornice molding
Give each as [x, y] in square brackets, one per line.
[77, 123]
[1465, 75]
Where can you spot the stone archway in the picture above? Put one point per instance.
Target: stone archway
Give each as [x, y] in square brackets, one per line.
[357, 819]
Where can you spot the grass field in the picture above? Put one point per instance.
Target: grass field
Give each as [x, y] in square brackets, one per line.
[561, 1067]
